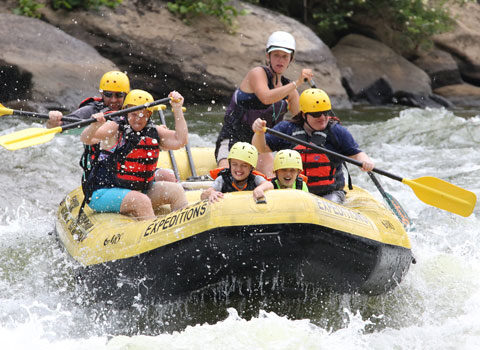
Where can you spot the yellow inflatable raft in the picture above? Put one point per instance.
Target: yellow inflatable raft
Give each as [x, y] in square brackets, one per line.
[293, 240]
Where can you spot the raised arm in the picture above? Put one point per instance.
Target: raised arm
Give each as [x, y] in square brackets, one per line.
[175, 139]
[100, 131]
[258, 139]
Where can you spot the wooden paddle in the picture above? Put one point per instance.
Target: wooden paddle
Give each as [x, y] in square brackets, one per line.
[428, 189]
[394, 205]
[7, 111]
[35, 136]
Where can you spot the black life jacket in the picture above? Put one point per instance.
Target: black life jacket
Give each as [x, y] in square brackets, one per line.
[240, 114]
[90, 152]
[229, 181]
[298, 183]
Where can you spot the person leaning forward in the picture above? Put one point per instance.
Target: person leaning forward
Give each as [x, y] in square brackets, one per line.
[315, 123]
[113, 88]
[123, 179]
[263, 93]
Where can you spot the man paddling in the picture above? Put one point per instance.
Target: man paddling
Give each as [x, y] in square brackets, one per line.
[113, 88]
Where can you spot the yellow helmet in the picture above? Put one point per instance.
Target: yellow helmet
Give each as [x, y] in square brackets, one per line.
[287, 159]
[314, 100]
[245, 152]
[115, 81]
[138, 97]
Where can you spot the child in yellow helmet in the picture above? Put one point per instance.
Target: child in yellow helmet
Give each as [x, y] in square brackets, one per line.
[240, 176]
[123, 180]
[287, 167]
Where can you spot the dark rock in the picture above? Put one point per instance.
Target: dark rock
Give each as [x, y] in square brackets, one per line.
[441, 67]
[15, 82]
[374, 72]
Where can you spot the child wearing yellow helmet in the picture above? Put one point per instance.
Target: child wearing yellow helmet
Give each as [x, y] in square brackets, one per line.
[240, 176]
[287, 167]
[123, 180]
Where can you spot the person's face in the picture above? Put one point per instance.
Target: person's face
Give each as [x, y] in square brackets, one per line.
[138, 119]
[287, 177]
[239, 169]
[318, 120]
[279, 60]
[113, 99]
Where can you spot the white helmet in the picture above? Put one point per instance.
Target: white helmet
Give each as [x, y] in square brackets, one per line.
[281, 41]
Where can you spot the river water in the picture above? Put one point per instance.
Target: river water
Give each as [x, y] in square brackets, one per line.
[435, 307]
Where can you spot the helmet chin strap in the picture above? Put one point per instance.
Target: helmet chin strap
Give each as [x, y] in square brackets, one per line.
[305, 119]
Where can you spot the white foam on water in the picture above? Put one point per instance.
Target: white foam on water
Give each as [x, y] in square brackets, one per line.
[435, 307]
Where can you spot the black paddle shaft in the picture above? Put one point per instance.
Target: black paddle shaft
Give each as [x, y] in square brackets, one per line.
[41, 115]
[324, 150]
[114, 114]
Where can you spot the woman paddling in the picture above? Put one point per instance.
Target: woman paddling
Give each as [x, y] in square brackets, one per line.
[315, 124]
[263, 93]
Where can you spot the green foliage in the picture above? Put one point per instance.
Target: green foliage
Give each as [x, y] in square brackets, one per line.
[415, 20]
[83, 4]
[220, 9]
[28, 8]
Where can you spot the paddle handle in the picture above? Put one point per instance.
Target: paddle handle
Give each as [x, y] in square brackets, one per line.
[327, 151]
[115, 114]
[312, 83]
[40, 115]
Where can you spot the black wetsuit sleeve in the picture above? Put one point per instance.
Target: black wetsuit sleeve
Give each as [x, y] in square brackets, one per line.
[84, 112]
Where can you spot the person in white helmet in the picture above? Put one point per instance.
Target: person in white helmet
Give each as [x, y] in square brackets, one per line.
[263, 93]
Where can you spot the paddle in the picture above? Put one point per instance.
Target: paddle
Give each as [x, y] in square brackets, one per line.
[394, 205]
[389, 199]
[428, 189]
[187, 149]
[170, 152]
[7, 111]
[35, 136]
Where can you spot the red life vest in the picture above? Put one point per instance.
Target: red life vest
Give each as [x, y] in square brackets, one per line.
[320, 169]
[89, 100]
[138, 156]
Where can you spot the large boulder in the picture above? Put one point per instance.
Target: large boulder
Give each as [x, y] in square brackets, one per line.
[372, 71]
[461, 94]
[440, 66]
[463, 42]
[203, 60]
[42, 63]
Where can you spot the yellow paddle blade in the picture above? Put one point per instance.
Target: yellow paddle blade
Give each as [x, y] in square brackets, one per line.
[28, 137]
[5, 111]
[443, 195]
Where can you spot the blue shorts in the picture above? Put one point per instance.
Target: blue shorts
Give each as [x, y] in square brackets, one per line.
[108, 200]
